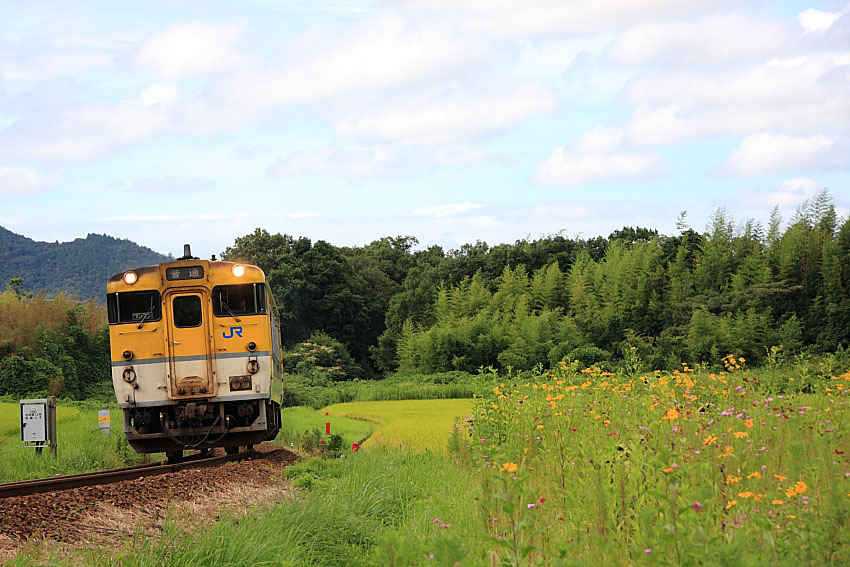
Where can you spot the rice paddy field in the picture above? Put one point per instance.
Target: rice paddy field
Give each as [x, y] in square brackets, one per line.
[412, 425]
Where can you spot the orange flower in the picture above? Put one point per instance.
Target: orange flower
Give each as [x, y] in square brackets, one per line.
[731, 503]
[740, 434]
[668, 470]
[749, 423]
[671, 414]
[732, 479]
[510, 467]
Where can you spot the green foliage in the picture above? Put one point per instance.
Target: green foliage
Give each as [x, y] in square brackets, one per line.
[324, 358]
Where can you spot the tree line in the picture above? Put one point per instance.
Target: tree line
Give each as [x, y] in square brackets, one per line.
[635, 299]
[737, 287]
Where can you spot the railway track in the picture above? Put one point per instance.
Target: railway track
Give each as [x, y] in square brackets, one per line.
[66, 482]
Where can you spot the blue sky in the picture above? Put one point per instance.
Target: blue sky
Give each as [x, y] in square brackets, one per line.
[170, 122]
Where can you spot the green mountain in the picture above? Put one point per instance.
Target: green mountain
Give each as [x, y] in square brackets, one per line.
[81, 266]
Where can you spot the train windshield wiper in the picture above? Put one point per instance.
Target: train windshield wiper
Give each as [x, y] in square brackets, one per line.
[223, 304]
[146, 315]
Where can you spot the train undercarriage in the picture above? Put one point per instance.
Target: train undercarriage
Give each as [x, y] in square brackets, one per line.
[201, 425]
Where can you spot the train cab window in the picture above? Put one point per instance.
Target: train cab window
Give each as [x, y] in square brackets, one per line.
[133, 307]
[242, 299]
[187, 311]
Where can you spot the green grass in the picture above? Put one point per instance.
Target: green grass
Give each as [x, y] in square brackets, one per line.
[81, 447]
[416, 425]
[371, 508]
[301, 423]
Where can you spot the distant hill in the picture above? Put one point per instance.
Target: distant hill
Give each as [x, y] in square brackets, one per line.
[81, 266]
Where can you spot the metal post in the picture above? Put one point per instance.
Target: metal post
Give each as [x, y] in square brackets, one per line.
[51, 424]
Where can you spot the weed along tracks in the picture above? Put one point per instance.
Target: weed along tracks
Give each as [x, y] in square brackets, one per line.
[82, 515]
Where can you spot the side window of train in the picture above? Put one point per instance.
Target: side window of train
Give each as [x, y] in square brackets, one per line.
[242, 299]
[133, 307]
[187, 311]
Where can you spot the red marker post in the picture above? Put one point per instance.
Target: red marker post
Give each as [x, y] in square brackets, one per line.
[327, 428]
[355, 447]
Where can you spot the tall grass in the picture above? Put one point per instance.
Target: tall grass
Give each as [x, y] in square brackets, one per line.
[375, 508]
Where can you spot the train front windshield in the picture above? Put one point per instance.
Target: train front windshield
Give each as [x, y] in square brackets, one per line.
[133, 307]
[242, 299]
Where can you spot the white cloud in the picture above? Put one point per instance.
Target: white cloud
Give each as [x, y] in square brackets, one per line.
[353, 161]
[511, 18]
[191, 49]
[789, 193]
[598, 155]
[90, 130]
[816, 21]
[379, 53]
[442, 211]
[765, 153]
[439, 117]
[799, 96]
[720, 38]
[18, 181]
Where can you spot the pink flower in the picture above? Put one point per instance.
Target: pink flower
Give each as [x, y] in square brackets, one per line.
[696, 506]
[648, 550]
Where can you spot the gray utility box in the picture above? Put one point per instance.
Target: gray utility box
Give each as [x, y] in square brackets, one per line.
[38, 424]
[34, 421]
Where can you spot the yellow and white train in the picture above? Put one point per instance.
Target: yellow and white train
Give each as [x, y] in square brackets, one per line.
[196, 355]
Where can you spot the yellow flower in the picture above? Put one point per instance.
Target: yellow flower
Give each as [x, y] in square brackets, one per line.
[540, 426]
[510, 467]
[740, 434]
[749, 423]
[777, 502]
[709, 440]
[754, 475]
[745, 494]
[790, 516]
[668, 470]
[732, 479]
[779, 477]
[731, 503]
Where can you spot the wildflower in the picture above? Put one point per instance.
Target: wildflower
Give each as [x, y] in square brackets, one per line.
[749, 423]
[779, 477]
[727, 451]
[697, 506]
[740, 434]
[745, 494]
[709, 440]
[777, 502]
[754, 475]
[542, 500]
[648, 550]
[668, 470]
[510, 467]
[731, 503]
[732, 479]
[671, 414]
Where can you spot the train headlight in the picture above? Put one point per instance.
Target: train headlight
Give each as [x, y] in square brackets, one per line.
[238, 270]
[130, 278]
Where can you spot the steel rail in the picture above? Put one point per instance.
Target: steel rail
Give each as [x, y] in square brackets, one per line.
[66, 482]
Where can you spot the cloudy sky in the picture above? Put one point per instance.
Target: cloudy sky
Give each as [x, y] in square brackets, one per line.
[453, 121]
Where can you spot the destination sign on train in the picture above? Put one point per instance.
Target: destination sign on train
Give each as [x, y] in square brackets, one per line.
[184, 273]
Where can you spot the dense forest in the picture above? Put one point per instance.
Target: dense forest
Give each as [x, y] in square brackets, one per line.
[80, 267]
[636, 300]
[742, 287]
